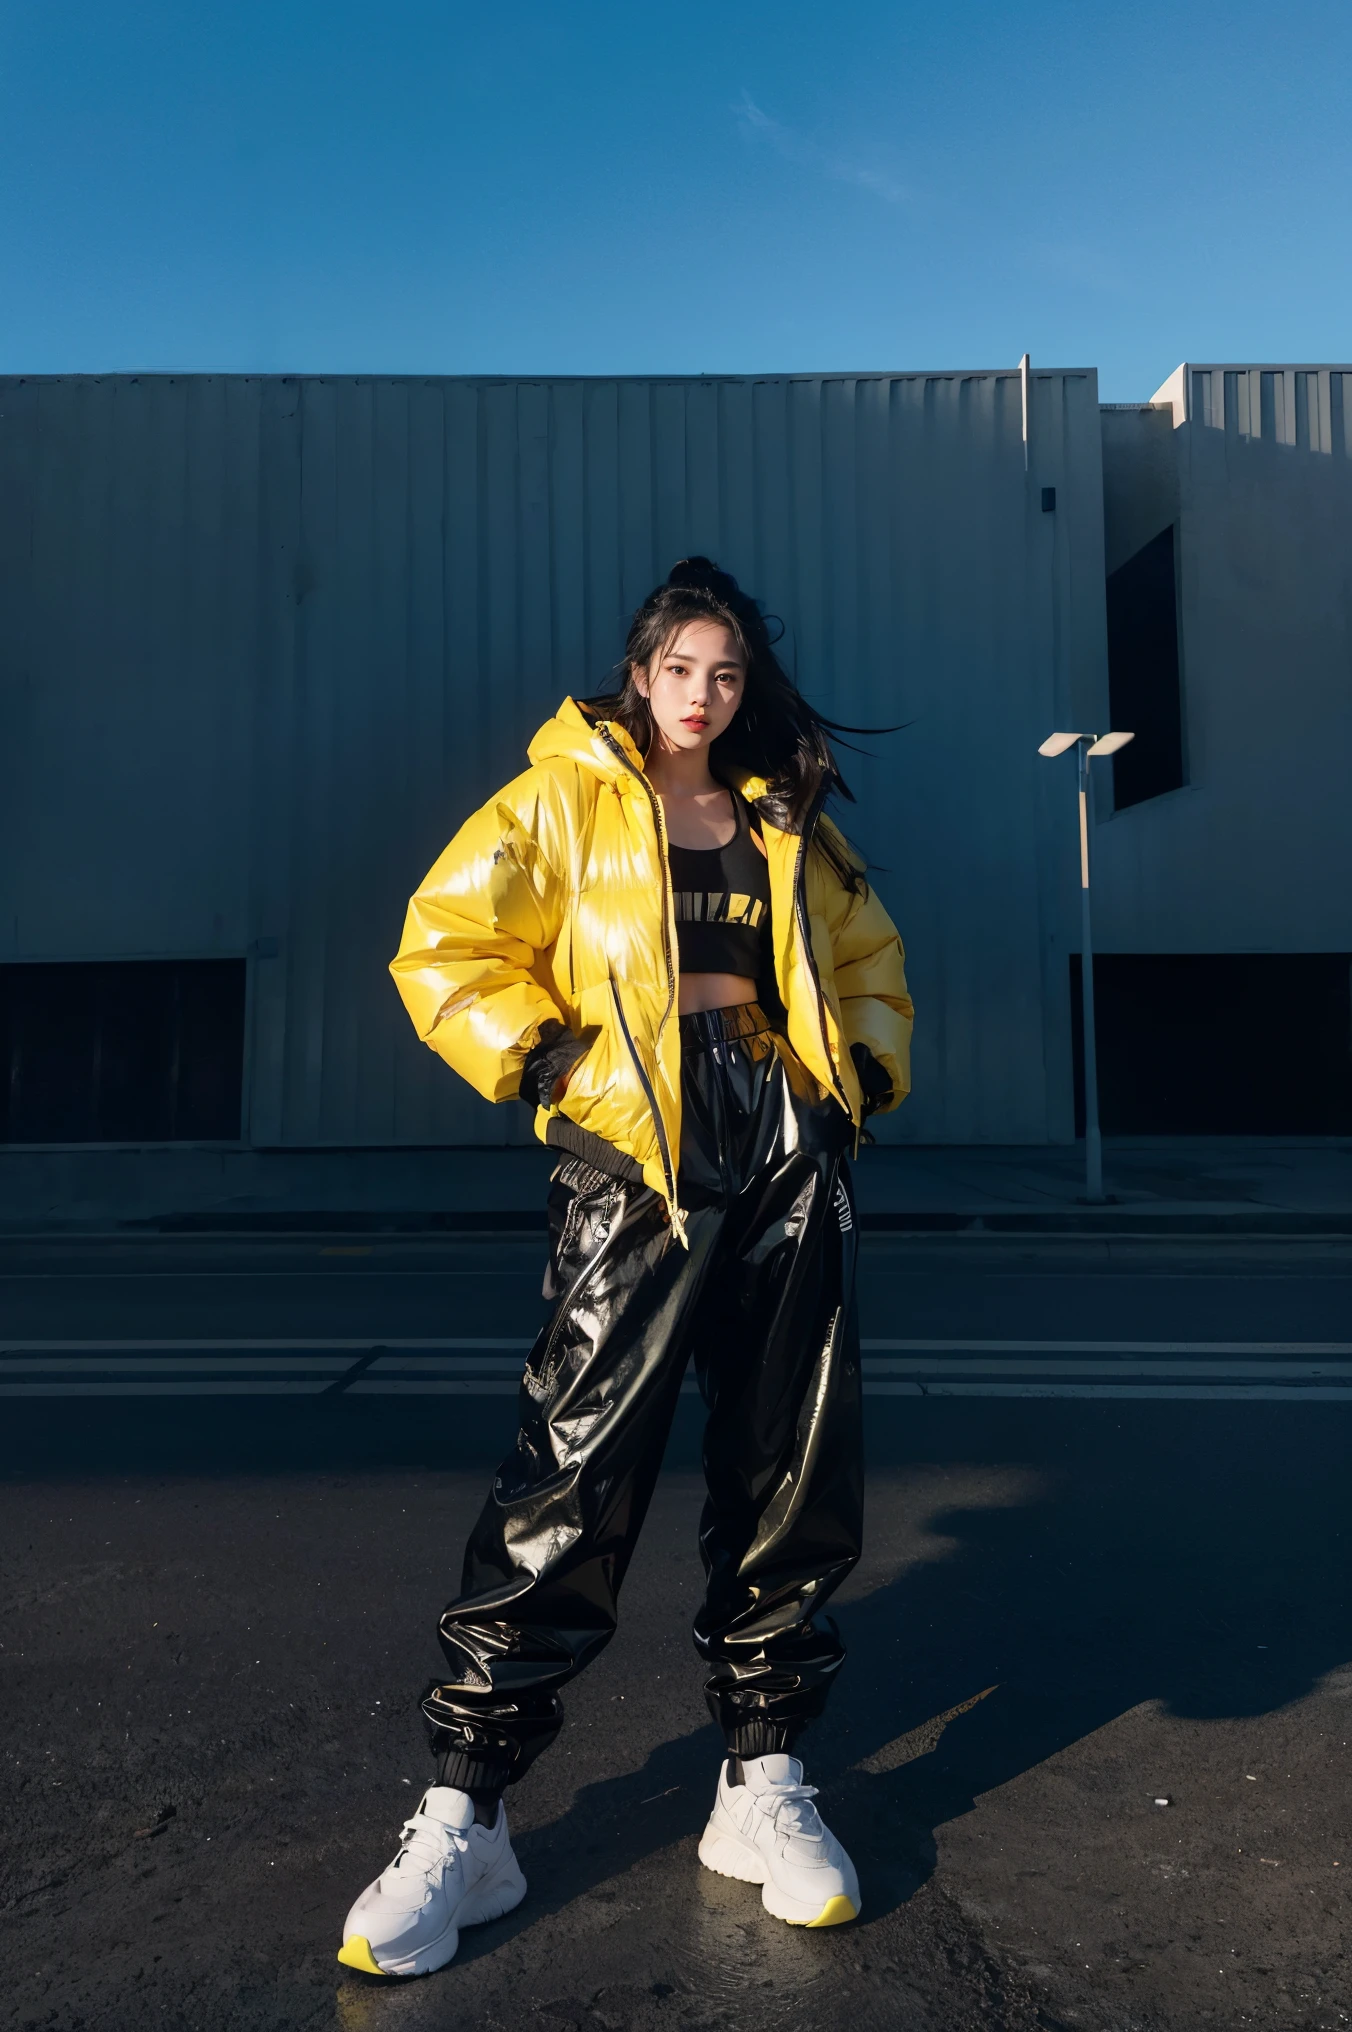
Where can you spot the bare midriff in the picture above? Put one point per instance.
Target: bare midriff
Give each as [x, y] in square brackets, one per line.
[713, 991]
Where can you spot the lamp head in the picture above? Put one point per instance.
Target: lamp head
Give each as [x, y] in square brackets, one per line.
[1108, 744]
[1057, 744]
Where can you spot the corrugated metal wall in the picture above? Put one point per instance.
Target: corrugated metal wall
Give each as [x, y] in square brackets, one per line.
[1309, 407]
[266, 641]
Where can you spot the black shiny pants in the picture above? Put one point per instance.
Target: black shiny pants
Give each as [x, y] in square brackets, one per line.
[763, 1299]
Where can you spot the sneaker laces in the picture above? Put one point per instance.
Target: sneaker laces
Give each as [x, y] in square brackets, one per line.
[424, 1844]
[792, 1812]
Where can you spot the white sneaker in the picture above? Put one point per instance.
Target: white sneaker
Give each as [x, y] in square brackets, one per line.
[767, 1832]
[449, 1873]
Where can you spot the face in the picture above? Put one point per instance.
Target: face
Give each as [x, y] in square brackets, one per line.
[696, 685]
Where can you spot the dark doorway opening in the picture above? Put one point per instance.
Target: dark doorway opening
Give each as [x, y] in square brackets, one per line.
[121, 1051]
[1218, 1044]
[1144, 692]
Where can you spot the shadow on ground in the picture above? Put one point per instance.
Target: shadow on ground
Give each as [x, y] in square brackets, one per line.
[1073, 1563]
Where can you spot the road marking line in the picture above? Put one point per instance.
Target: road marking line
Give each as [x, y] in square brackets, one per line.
[500, 1387]
[1297, 1393]
[460, 1365]
[255, 1387]
[418, 1367]
[281, 1343]
[1291, 1371]
[1050, 1347]
[276, 1342]
[112, 1365]
[431, 1386]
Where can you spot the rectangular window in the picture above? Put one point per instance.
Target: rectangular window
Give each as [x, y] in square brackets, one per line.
[1144, 691]
[1219, 1044]
[121, 1051]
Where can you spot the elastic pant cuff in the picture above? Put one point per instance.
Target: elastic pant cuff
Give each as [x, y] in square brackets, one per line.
[471, 1774]
[761, 1739]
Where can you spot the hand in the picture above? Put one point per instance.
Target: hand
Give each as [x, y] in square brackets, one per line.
[549, 1064]
[876, 1084]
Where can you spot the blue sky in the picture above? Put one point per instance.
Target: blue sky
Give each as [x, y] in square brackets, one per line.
[606, 188]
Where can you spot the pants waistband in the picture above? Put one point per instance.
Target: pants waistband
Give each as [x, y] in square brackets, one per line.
[705, 1027]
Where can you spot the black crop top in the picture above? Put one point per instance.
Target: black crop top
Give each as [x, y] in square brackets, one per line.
[722, 899]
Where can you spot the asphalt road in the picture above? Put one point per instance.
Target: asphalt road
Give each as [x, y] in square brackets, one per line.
[376, 1320]
[219, 1611]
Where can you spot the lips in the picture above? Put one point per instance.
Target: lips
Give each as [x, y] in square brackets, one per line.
[694, 723]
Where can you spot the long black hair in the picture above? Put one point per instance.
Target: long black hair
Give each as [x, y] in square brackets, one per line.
[775, 733]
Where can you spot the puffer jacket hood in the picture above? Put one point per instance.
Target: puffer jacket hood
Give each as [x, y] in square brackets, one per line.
[574, 734]
[553, 902]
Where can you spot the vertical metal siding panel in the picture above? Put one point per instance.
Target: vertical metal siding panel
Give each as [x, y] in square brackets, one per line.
[472, 710]
[1028, 645]
[500, 585]
[281, 742]
[327, 591]
[735, 480]
[961, 417]
[1287, 391]
[536, 679]
[773, 512]
[956, 413]
[468, 754]
[424, 739]
[1322, 379]
[68, 614]
[919, 841]
[569, 674]
[813, 664]
[214, 661]
[839, 613]
[702, 530]
[879, 674]
[670, 497]
[19, 455]
[377, 732]
[635, 483]
[602, 524]
[173, 699]
[238, 596]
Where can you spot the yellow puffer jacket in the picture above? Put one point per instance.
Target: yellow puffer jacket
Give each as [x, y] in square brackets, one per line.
[554, 901]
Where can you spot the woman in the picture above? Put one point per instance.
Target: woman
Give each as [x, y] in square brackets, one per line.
[656, 938]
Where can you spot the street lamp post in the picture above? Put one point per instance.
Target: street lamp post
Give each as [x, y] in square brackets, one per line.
[1087, 746]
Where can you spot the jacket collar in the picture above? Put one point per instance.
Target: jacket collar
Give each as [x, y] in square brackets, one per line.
[582, 731]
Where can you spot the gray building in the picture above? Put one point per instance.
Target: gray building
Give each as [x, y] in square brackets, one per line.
[265, 641]
[1224, 874]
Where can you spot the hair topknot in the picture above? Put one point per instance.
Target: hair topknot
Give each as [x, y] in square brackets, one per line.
[702, 575]
[704, 581]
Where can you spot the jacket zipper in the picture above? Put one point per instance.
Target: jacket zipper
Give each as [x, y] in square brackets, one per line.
[667, 1172]
[805, 933]
[677, 1218]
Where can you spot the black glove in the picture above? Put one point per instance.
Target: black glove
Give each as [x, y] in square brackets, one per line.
[876, 1083]
[556, 1053]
